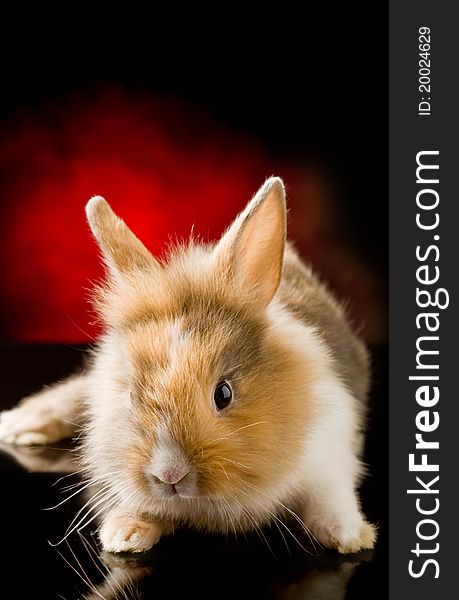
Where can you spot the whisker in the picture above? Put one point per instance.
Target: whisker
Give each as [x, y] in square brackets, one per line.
[223, 469]
[296, 517]
[68, 475]
[69, 497]
[275, 518]
[279, 520]
[238, 464]
[78, 425]
[240, 429]
[92, 338]
[92, 553]
[109, 581]
[91, 481]
[257, 527]
[105, 494]
[88, 582]
[54, 448]
[81, 525]
[92, 586]
[231, 369]
[72, 486]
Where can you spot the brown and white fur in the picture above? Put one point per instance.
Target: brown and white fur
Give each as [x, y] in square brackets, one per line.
[246, 311]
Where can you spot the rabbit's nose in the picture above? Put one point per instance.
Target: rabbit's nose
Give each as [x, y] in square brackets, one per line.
[171, 475]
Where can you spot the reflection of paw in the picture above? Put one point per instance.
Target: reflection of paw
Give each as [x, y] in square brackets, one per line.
[39, 459]
[32, 425]
[127, 534]
[346, 536]
[126, 562]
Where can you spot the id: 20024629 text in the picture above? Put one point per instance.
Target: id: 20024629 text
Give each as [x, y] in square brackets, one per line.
[424, 71]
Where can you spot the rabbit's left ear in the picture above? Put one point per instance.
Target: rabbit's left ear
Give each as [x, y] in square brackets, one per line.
[122, 250]
[252, 249]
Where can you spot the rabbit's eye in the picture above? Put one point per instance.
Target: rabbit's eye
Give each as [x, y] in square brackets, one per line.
[223, 395]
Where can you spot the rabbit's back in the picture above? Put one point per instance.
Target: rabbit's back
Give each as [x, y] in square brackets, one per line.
[309, 300]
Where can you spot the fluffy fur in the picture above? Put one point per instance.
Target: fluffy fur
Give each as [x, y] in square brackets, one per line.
[246, 311]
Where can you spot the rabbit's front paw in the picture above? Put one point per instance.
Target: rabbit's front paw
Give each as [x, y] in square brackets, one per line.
[345, 535]
[120, 533]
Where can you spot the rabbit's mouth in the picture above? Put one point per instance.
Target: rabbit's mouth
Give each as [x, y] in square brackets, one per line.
[175, 487]
[171, 491]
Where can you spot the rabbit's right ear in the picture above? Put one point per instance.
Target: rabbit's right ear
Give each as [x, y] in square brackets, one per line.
[122, 250]
[252, 249]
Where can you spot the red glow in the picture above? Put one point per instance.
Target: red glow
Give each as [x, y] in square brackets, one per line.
[161, 167]
[164, 168]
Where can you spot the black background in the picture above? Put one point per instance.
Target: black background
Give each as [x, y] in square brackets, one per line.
[311, 84]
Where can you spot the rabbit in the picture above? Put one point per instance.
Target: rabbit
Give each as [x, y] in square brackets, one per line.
[228, 389]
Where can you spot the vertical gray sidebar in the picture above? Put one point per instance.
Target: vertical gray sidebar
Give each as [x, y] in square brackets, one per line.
[424, 273]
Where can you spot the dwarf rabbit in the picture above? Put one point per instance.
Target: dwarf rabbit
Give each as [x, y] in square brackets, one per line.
[228, 389]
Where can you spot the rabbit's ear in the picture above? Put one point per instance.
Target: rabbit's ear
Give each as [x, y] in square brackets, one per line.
[122, 250]
[252, 249]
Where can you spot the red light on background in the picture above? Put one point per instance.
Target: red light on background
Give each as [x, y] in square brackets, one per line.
[165, 168]
[162, 167]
